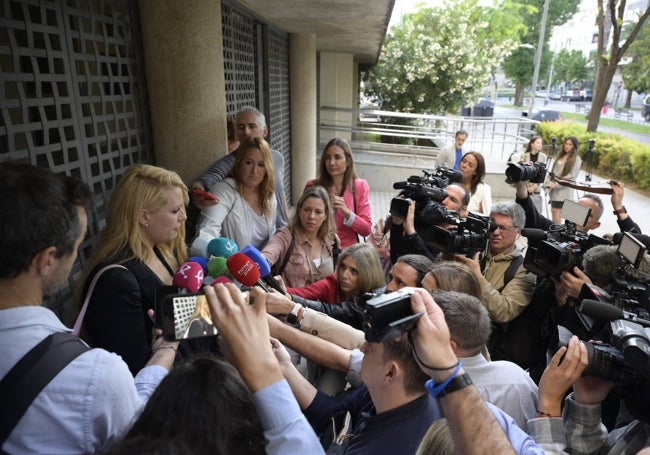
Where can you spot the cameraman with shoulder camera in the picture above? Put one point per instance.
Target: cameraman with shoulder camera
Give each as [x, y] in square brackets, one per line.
[577, 428]
[506, 286]
[404, 239]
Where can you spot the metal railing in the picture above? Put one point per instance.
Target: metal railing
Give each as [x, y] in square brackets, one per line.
[495, 137]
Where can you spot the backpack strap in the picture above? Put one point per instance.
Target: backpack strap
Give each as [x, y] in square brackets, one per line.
[22, 384]
[511, 271]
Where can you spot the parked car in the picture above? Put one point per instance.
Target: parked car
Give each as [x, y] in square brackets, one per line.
[548, 116]
[571, 95]
[555, 96]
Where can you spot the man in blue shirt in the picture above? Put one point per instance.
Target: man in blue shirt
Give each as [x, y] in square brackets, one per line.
[450, 156]
[392, 411]
[94, 398]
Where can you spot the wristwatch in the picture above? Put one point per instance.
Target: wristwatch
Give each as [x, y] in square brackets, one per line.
[619, 211]
[459, 382]
[292, 317]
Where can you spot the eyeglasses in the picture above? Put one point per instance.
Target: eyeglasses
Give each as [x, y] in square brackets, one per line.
[505, 228]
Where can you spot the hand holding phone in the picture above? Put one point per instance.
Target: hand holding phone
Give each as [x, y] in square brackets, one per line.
[205, 194]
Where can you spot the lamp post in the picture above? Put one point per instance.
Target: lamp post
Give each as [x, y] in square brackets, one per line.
[538, 56]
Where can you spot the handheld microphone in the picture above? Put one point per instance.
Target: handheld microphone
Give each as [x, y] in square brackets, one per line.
[221, 279]
[202, 261]
[263, 264]
[222, 247]
[189, 276]
[245, 271]
[218, 267]
[608, 312]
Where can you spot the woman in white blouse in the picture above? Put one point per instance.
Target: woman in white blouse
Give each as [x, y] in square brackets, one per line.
[472, 166]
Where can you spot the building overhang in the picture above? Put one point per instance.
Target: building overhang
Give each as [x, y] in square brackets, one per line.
[355, 27]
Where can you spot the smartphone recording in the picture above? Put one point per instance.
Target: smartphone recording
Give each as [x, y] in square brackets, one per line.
[185, 316]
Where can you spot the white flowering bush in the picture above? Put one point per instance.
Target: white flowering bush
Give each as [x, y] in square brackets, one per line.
[439, 59]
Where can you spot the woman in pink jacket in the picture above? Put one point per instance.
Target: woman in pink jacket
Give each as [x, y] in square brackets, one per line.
[349, 194]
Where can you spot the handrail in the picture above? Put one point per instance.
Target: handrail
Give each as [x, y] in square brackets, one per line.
[495, 137]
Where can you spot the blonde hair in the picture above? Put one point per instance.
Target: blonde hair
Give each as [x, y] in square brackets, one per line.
[140, 188]
[266, 189]
[365, 255]
[327, 230]
[456, 276]
[437, 440]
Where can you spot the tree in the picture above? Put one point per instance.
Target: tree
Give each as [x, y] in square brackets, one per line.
[438, 60]
[610, 22]
[636, 74]
[519, 66]
[571, 66]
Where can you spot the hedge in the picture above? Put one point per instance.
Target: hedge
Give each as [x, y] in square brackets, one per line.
[615, 156]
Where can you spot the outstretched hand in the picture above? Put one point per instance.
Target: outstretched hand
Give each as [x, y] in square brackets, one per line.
[564, 369]
[431, 337]
[245, 333]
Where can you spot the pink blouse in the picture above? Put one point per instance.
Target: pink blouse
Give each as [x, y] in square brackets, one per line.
[361, 222]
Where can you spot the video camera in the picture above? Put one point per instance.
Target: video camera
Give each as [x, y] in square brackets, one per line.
[428, 193]
[462, 236]
[563, 246]
[520, 172]
[616, 319]
[388, 315]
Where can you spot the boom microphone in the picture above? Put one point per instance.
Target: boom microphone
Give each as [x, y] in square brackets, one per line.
[608, 312]
[245, 271]
[263, 264]
[222, 247]
[189, 276]
[400, 185]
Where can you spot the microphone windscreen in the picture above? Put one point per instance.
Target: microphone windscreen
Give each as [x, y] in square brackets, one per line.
[400, 185]
[258, 258]
[222, 247]
[243, 269]
[533, 234]
[218, 267]
[600, 310]
[221, 279]
[600, 262]
[189, 276]
[202, 261]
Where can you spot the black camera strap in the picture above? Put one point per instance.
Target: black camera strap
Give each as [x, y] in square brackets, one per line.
[22, 384]
[511, 271]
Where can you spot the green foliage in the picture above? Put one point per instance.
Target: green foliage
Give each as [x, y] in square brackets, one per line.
[571, 66]
[616, 156]
[636, 74]
[519, 66]
[438, 60]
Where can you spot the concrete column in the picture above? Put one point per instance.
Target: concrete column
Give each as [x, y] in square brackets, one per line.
[336, 90]
[183, 55]
[302, 74]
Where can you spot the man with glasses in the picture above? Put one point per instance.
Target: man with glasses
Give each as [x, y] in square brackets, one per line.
[506, 286]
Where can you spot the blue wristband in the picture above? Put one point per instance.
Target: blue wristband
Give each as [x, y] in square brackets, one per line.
[434, 389]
